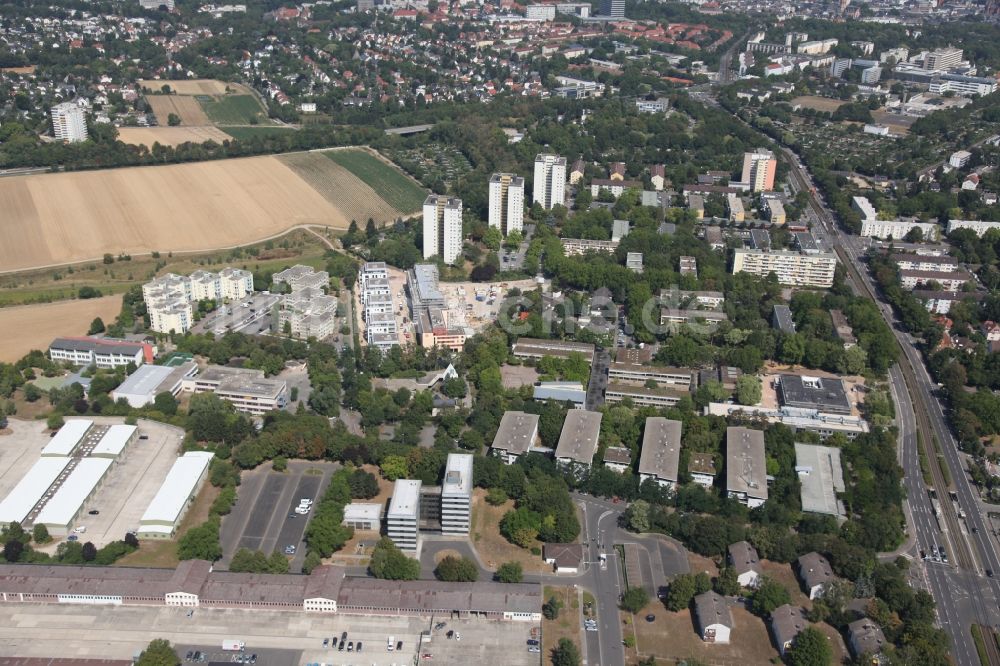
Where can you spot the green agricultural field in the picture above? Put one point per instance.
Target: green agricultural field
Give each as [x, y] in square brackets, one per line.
[262, 131]
[233, 109]
[392, 184]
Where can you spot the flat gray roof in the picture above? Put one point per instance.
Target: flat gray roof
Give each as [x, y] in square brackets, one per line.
[405, 502]
[516, 432]
[145, 380]
[821, 478]
[661, 448]
[458, 475]
[746, 470]
[827, 394]
[578, 439]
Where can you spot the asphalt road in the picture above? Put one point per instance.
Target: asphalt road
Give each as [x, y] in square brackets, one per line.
[598, 379]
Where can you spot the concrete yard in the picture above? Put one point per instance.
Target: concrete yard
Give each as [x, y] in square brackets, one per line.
[19, 450]
[117, 632]
[132, 483]
[127, 489]
[266, 500]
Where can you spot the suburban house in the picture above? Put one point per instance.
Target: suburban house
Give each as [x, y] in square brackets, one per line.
[815, 574]
[715, 621]
[786, 623]
[744, 559]
[866, 638]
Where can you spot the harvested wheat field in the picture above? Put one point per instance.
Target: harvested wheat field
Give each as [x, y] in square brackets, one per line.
[28, 327]
[187, 109]
[355, 199]
[53, 219]
[188, 86]
[171, 136]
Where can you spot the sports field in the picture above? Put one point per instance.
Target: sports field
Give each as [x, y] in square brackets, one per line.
[399, 190]
[28, 327]
[53, 219]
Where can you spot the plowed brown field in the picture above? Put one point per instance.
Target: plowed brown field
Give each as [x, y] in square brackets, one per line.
[53, 219]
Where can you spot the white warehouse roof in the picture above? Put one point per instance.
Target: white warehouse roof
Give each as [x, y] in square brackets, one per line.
[62, 508]
[67, 438]
[114, 441]
[177, 487]
[25, 495]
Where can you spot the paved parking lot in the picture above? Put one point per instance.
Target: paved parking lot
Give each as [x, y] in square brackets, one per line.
[249, 315]
[278, 638]
[264, 517]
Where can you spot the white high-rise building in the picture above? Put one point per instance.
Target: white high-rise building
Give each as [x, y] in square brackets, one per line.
[456, 494]
[69, 122]
[550, 180]
[507, 202]
[402, 519]
[442, 228]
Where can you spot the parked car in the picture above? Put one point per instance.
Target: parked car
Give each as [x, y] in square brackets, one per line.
[93, 512]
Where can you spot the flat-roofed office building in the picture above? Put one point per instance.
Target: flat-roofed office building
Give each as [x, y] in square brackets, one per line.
[641, 372]
[456, 494]
[403, 517]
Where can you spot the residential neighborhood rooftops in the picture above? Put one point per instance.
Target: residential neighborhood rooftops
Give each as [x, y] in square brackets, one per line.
[786, 623]
[744, 557]
[814, 570]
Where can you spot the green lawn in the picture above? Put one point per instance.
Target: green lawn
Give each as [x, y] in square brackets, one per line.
[392, 184]
[247, 133]
[232, 109]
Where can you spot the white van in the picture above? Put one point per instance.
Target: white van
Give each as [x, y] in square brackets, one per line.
[81, 529]
[391, 644]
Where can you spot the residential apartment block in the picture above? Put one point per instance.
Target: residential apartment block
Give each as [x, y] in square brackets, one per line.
[949, 280]
[69, 122]
[661, 450]
[578, 440]
[307, 312]
[759, 168]
[442, 228]
[920, 262]
[549, 188]
[506, 206]
[169, 297]
[792, 268]
[641, 372]
[980, 227]
[746, 471]
[897, 229]
[577, 246]
[516, 435]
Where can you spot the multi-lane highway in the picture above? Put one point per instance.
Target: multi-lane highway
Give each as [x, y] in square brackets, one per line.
[963, 592]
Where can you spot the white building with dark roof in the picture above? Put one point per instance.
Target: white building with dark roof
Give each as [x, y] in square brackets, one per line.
[99, 352]
[517, 433]
[815, 573]
[715, 620]
[578, 440]
[745, 561]
[746, 470]
[661, 450]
